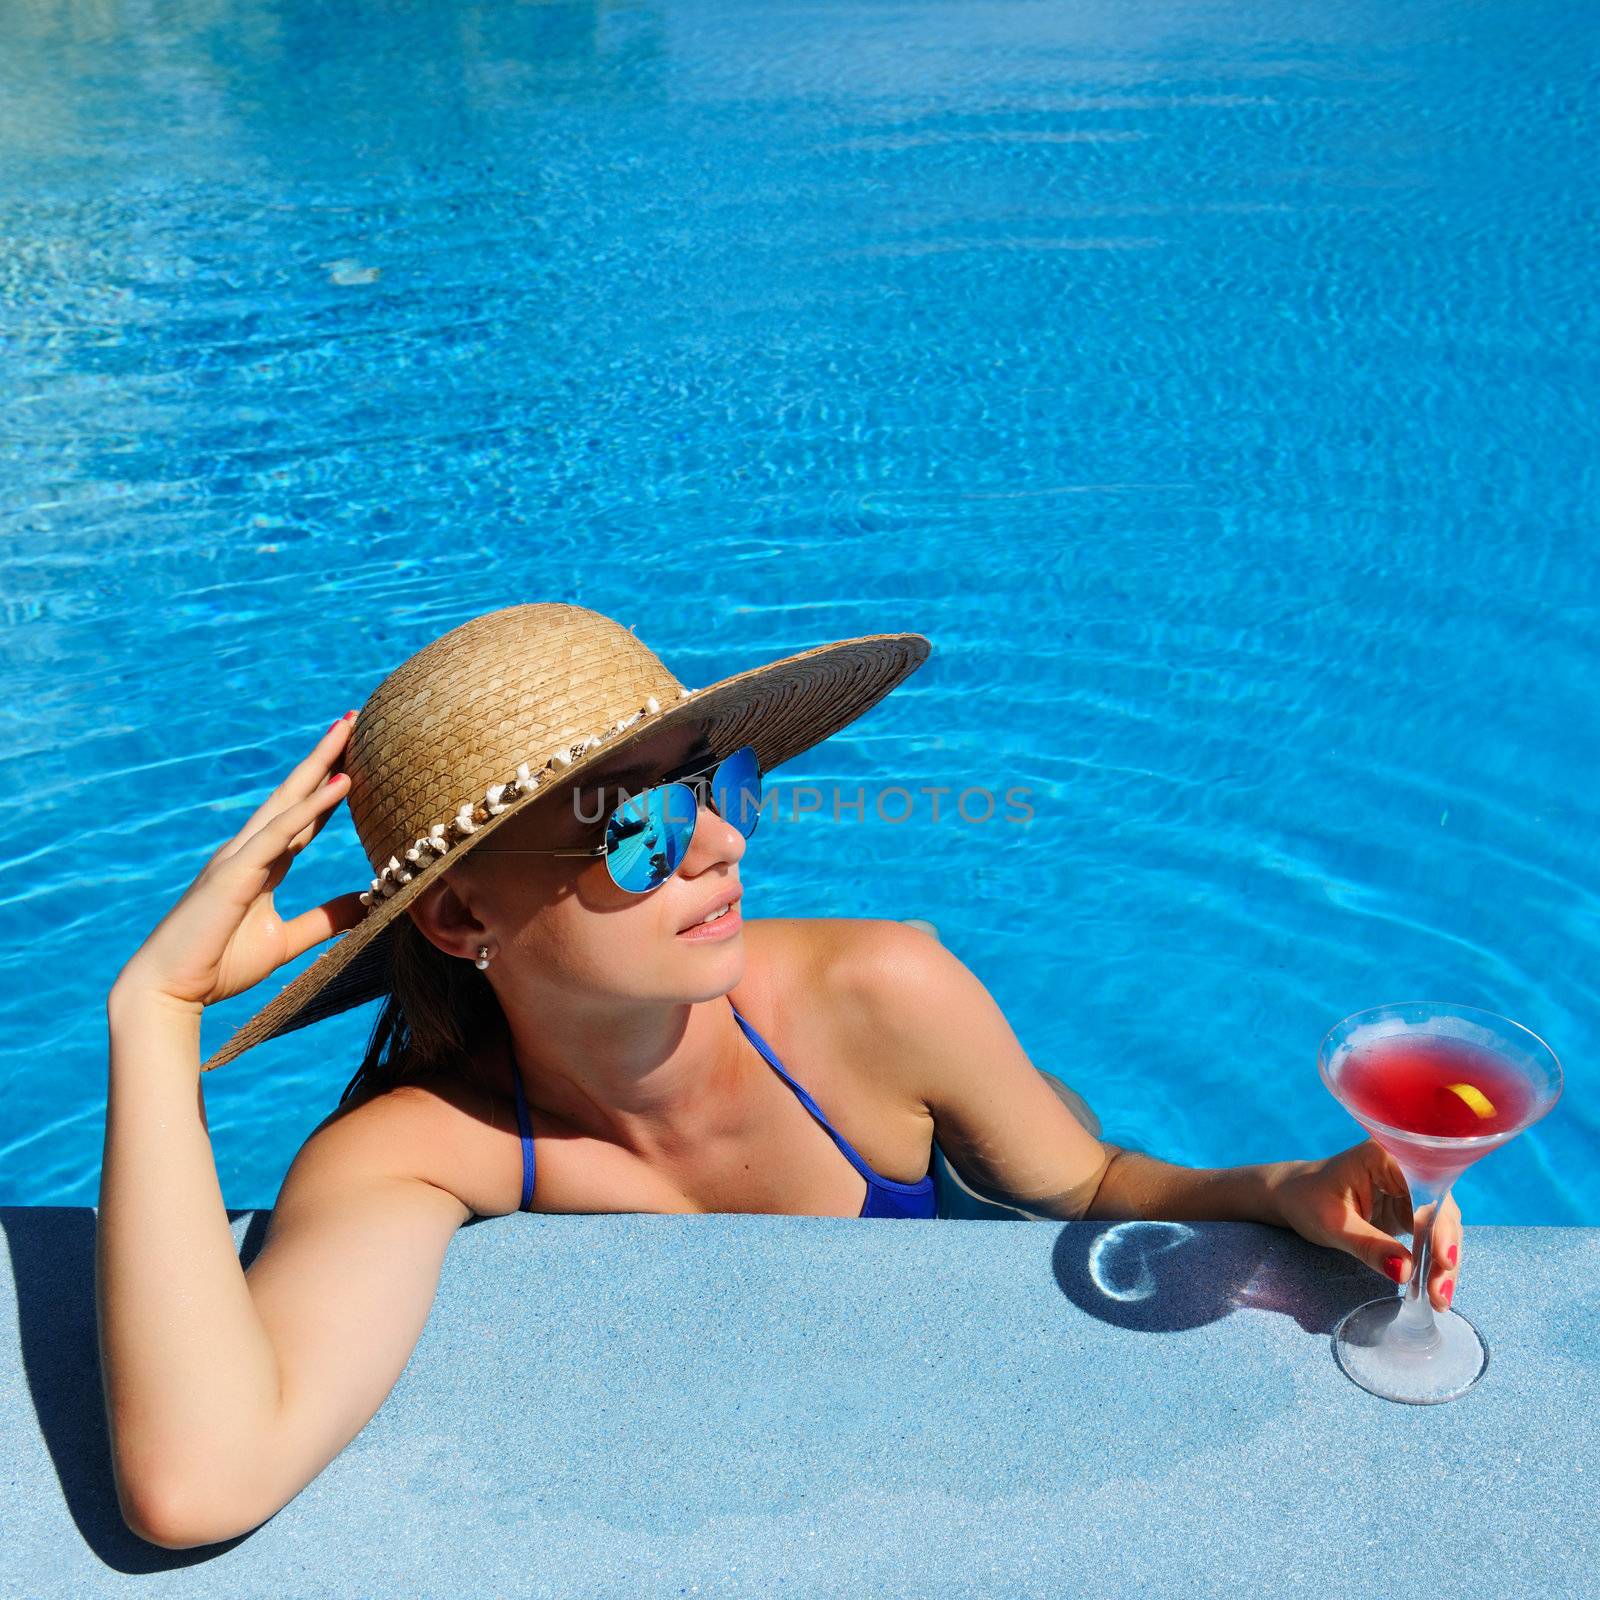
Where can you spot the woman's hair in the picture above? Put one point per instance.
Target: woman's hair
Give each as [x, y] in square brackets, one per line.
[439, 1013]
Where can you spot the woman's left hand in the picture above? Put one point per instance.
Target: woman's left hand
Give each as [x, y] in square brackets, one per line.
[1357, 1201]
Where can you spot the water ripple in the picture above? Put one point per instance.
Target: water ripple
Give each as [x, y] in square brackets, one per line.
[1214, 390]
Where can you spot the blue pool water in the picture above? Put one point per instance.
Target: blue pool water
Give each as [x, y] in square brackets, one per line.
[1213, 385]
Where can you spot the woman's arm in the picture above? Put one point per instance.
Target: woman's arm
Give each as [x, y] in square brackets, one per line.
[935, 1027]
[227, 1392]
[189, 1373]
[1137, 1185]
[998, 1122]
[1003, 1128]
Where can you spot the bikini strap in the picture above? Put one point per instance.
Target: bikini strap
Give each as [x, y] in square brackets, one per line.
[811, 1105]
[527, 1135]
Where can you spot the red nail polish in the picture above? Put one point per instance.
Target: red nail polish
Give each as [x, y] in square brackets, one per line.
[1451, 1258]
[1395, 1266]
[1448, 1290]
[332, 725]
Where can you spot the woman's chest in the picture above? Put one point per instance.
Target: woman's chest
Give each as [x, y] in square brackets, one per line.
[784, 1160]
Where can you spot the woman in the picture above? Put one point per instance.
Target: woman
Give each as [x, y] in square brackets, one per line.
[565, 1029]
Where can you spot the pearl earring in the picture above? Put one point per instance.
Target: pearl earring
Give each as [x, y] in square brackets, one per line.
[483, 957]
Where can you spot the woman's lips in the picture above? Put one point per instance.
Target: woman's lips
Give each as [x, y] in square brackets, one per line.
[724, 927]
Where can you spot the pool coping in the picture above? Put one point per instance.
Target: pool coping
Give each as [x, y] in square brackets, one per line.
[738, 1405]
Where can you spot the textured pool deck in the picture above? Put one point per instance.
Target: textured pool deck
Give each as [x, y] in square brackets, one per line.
[637, 1406]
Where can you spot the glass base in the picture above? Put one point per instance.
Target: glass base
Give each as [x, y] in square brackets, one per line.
[1397, 1365]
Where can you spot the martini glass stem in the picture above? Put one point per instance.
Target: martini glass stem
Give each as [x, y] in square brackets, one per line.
[1416, 1324]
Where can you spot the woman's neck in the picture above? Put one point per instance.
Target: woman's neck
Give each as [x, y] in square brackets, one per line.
[654, 1080]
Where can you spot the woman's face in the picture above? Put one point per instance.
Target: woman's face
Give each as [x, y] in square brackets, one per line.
[562, 920]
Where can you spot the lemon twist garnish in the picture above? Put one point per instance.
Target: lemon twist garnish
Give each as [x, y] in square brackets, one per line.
[1475, 1098]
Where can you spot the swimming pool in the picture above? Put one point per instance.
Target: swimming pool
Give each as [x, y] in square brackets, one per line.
[1213, 386]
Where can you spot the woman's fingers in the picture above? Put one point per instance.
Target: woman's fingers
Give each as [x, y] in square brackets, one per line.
[321, 923]
[276, 838]
[1445, 1267]
[303, 780]
[1390, 1212]
[1380, 1250]
[1358, 1201]
[1390, 1181]
[337, 781]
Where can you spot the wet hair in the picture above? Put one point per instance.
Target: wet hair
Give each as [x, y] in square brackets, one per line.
[437, 1018]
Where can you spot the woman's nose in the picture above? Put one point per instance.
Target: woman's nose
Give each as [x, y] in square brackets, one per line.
[714, 835]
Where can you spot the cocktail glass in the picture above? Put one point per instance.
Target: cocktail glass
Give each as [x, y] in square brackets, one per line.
[1397, 1346]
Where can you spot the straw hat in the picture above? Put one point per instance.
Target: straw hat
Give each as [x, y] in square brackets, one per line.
[517, 704]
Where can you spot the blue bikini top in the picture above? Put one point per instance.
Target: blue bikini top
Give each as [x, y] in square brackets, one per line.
[885, 1197]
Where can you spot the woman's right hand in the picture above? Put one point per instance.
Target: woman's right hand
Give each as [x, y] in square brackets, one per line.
[224, 936]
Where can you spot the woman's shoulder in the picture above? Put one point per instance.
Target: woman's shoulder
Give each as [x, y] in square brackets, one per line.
[836, 949]
[426, 1120]
[849, 961]
[826, 968]
[826, 984]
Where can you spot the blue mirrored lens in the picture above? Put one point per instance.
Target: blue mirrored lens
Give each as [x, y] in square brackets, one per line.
[736, 790]
[647, 836]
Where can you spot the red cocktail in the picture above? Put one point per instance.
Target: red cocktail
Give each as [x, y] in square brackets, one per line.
[1438, 1087]
[1409, 1092]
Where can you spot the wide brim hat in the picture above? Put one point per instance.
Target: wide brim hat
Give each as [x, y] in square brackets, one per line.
[513, 706]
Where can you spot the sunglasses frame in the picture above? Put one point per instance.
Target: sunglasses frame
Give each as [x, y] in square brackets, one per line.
[664, 782]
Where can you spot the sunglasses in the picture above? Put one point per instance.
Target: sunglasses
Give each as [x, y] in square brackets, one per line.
[648, 835]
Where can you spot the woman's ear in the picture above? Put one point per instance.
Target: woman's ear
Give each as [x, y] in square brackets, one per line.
[444, 916]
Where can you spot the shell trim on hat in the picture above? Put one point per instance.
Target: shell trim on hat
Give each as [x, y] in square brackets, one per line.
[442, 837]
